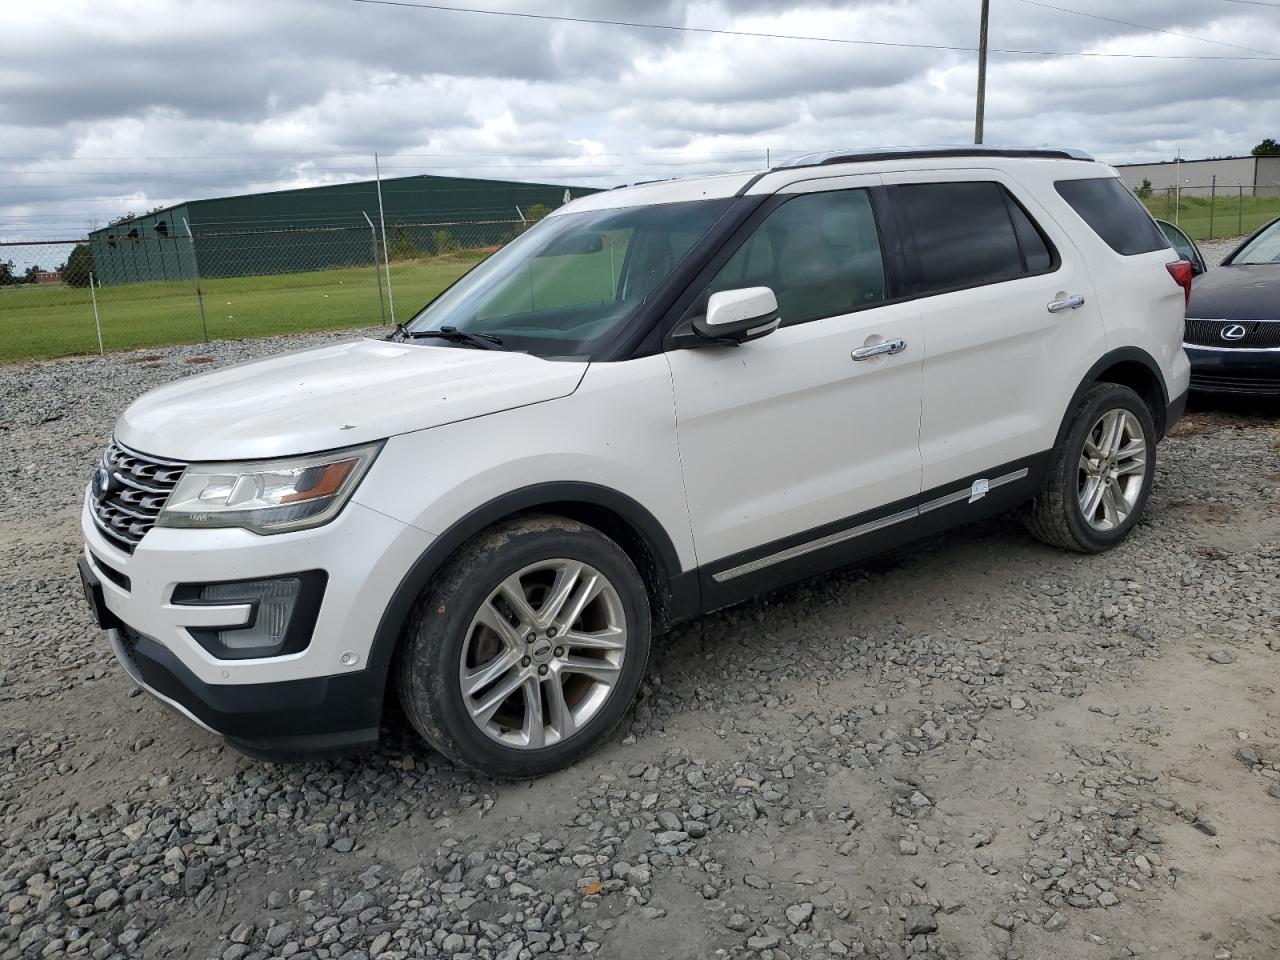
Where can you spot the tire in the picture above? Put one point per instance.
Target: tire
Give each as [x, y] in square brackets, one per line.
[1057, 516]
[455, 636]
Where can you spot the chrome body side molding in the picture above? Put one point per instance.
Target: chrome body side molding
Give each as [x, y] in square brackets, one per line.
[970, 494]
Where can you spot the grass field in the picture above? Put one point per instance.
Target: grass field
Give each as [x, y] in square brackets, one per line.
[38, 322]
[1233, 216]
[55, 321]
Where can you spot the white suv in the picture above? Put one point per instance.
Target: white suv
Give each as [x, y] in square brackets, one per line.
[659, 401]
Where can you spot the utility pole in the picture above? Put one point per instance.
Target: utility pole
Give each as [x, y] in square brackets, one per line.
[386, 251]
[1213, 200]
[982, 72]
[1177, 186]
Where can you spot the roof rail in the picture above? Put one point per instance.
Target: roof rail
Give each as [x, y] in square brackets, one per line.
[915, 153]
[642, 183]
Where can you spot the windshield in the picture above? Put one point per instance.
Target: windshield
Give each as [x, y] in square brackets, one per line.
[566, 286]
[1264, 248]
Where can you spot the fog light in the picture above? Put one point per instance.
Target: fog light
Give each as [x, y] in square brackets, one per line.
[282, 618]
[273, 602]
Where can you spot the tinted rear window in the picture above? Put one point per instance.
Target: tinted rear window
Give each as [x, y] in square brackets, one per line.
[1115, 214]
[967, 234]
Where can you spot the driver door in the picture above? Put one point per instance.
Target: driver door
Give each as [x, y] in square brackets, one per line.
[797, 455]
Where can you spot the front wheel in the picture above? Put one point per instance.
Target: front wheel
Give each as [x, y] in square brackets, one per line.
[1100, 473]
[528, 649]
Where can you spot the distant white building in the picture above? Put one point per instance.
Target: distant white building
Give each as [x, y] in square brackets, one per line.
[1196, 177]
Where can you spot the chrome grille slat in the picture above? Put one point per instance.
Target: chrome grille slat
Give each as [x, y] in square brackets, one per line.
[147, 502]
[149, 517]
[127, 481]
[139, 486]
[149, 458]
[114, 534]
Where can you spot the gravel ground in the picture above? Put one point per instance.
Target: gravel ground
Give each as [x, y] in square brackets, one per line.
[1215, 251]
[981, 747]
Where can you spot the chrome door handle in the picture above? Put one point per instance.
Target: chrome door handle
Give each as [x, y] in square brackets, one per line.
[1066, 303]
[889, 347]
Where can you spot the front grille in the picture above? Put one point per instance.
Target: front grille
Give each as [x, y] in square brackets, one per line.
[128, 492]
[1208, 333]
[1224, 384]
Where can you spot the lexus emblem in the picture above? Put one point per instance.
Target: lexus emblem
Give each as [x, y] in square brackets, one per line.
[1234, 332]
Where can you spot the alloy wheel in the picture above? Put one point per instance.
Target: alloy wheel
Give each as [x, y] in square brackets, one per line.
[543, 654]
[1113, 469]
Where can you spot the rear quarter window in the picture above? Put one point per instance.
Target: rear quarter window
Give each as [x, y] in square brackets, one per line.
[1114, 214]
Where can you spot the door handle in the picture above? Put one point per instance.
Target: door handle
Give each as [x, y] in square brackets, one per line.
[1066, 303]
[889, 347]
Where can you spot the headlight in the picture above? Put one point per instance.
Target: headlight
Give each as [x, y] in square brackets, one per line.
[267, 496]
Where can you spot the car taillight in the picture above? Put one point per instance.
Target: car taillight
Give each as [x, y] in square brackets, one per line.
[1182, 273]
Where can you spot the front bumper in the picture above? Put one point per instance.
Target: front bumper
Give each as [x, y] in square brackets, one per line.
[271, 721]
[1235, 371]
[324, 697]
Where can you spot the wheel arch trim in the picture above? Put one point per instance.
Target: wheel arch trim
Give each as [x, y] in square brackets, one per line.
[1114, 358]
[682, 599]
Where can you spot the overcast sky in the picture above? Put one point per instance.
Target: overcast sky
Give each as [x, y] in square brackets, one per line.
[115, 105]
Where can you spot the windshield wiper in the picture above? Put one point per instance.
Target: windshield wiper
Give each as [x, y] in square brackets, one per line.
[484, 341]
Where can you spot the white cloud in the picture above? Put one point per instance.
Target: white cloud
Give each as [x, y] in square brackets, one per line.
[124, 104]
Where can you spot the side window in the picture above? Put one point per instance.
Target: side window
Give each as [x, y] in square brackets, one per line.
[819, 252]
[1114, 214]
[970, 234]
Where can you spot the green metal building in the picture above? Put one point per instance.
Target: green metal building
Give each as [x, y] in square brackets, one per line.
[317, 228]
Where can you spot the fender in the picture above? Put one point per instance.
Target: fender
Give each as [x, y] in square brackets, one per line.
[1110, 359]
[682, 598]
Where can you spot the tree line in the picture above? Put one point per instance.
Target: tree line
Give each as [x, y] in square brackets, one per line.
[10, 277]
[75, 271]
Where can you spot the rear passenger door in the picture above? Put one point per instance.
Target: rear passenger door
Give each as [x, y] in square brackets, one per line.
[1008, 313]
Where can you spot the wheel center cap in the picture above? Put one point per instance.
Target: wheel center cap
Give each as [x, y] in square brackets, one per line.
[541, 650]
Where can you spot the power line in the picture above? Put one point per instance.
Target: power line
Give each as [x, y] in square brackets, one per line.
[789, 36]
[1254, 3]
[1143, 26]
[351, 187]
[398, 156]
[581, 165]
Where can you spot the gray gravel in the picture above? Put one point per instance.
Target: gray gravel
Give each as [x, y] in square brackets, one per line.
[978, 748]
[1214, 251]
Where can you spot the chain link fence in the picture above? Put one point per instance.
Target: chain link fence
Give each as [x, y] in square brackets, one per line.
[73, 296]
[1211, 212]
[65, 297]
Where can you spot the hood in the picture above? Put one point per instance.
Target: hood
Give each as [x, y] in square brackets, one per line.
[335, 397]
[1246, 292]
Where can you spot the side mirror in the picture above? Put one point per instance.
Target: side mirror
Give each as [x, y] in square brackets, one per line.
[737, 316]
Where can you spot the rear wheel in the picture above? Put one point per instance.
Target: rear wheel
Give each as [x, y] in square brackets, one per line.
[1100, 474]
[528, 649]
